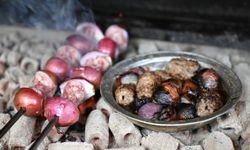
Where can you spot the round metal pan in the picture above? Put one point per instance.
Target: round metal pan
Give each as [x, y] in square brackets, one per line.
[155, 61]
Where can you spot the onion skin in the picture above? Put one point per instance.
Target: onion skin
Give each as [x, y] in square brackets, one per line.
[96, 60]
[70, 54]
[67, 112]
[88, 73]
[29, 99]
[77, 90]
[46, 82]
[58, 66]
[80, 42]
[108, 46]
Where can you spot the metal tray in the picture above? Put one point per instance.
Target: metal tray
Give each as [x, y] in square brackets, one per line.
[230, 83]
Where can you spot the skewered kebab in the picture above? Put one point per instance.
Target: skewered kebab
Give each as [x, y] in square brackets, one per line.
[101, 65]
[61, 73]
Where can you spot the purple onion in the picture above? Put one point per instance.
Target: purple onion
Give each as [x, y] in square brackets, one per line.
[149, 110]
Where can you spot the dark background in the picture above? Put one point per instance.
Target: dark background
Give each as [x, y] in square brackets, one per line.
[215, 22]
[223, 23]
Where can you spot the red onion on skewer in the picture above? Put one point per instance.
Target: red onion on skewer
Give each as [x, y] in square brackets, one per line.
[80, 42]
[66, 110]
[77, 90]
[108, 46]
[58, 66]
[96, 60]
[90, 30]
[119, 35]
[88, 73]
[46, 82]
[29, 99]
[69, 54]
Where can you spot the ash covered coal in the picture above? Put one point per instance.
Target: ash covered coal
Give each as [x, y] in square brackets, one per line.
[43, 14]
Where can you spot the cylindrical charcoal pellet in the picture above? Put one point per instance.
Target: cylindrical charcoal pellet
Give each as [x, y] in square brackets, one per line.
[96, 130]
[13, 58]
[29, 65]
[128, 148]
[104, 107]
[71, 145]
[13, 73]
[21, 132]
[124, 131]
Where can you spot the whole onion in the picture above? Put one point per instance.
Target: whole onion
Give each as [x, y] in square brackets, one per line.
[90, 30]
[67, 112]
[108, 46]
[88, 73]
[58, 66]
[80, 42]
[149, 110]
[29, 99]
[119, 35]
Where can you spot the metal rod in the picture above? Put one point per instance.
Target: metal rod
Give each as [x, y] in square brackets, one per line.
[44, 133]
[11, 122]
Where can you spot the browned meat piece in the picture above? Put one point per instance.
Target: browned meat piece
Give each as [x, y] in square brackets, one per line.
[181, 68]
[125, 94]
[147, 84]
[162, 74]
[208, 103]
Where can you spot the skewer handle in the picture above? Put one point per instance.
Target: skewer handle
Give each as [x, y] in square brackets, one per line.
[12, 121]
[44, 133]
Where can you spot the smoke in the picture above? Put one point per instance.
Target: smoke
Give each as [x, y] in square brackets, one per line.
[43, 14]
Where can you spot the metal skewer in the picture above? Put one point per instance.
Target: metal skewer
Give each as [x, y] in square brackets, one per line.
[44, 133]
[12, 121]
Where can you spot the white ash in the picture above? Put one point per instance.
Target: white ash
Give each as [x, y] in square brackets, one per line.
[43, 145]
[234, 126]
[124, 131]
[104, 107]
[184, 136]
[24, 127]
[71, 145]
[194, 147]
[4, 118]
[217, 141]
[128, 148]
[160, 141]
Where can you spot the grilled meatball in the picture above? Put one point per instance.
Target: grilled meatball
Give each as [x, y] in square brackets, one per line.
[147, 85]
[162, 74]
[182, 68]
[125, 94]
[209, 102]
